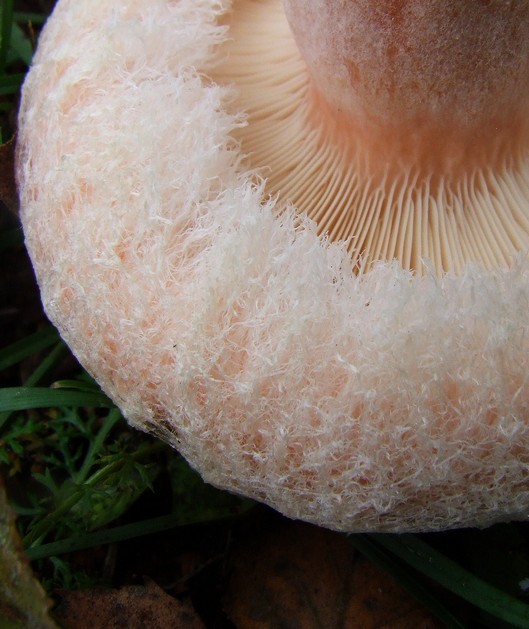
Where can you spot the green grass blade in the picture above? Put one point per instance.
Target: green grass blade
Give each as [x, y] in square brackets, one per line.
[21, 48]
[6, 26]
[78, 385]
[14, 353]
[455, 578]
[40, 372]
[402, 574]
[26, 17]
[51, 360]
[108, 536]
[113, 418]
[118, 534]
[10, 83]
[24, 398]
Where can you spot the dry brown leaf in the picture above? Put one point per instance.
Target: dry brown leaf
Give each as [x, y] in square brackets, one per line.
[297, 576]
[8, 189]
[23, 602]
[134, 607]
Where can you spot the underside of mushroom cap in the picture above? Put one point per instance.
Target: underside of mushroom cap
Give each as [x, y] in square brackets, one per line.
[220, 319]
[431, 166]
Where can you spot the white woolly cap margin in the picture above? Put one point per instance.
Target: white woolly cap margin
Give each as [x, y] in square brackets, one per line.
[374, 402]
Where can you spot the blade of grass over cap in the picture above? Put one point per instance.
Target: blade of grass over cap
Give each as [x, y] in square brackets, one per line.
[455, 578]
[78, 385]
[24, 398]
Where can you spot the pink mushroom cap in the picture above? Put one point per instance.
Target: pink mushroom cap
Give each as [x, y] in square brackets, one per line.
[343, 386]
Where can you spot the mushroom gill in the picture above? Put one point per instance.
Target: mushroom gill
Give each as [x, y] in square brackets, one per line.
[400, 126]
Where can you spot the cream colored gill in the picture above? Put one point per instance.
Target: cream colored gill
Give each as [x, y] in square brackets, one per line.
[438, 186]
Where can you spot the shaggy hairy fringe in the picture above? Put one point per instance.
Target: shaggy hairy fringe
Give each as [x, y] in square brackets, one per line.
[377, 401]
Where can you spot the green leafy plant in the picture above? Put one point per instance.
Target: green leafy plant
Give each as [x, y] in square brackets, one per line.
[75, 467]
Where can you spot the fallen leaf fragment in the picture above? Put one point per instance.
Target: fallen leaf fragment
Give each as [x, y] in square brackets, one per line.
[301, 577]
[23, 602]
[134, 607]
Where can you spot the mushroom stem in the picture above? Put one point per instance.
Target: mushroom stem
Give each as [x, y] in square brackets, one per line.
[433, 82]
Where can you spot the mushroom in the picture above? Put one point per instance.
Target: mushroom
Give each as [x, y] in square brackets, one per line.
[306, 270]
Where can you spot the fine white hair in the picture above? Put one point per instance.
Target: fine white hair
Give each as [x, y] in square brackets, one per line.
[375, 401]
